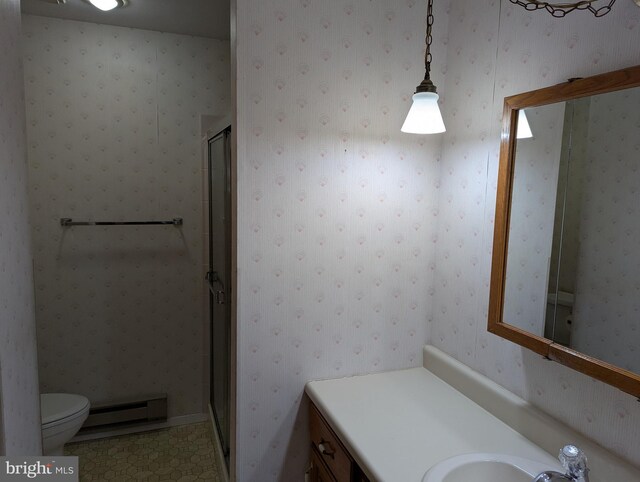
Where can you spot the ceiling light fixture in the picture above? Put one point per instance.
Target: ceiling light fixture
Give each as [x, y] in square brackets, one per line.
[424, 116]
[106, 5]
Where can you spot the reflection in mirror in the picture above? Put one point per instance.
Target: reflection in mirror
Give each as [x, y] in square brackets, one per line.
[524, 129]
[573, 263]
[531, 225]
[563, 263]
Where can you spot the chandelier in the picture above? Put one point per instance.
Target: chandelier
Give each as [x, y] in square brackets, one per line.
[560, 9]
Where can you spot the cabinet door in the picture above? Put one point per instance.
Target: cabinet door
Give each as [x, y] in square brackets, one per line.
[319, 471]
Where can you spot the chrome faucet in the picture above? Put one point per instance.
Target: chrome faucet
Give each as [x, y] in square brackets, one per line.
[574, 462]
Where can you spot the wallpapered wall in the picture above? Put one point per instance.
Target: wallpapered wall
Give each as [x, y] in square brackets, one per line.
[575, 140]
[535, 182]
[113, 123]
[606, 321]
[564, 262]
[19, 399]
[336, 209]
[534, 50]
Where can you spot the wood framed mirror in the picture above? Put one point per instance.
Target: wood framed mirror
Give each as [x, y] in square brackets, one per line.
[565, 276]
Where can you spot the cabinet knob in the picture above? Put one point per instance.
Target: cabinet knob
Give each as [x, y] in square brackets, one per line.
[325, 448]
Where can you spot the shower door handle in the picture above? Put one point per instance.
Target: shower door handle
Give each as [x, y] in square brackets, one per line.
[216, 286]
[218, 297]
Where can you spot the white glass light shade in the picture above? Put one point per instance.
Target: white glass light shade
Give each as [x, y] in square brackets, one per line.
[104, 5]
[424, 116]
[524, 130]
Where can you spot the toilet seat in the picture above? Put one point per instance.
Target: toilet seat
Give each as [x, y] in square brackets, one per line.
[59, 408]
[62, 415]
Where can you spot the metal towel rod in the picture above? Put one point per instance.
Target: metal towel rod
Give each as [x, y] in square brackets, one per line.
[66, 222]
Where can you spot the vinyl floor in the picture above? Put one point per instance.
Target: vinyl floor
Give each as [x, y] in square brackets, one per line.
[184, 453]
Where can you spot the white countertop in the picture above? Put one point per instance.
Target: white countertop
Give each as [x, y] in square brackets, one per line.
[398, 424]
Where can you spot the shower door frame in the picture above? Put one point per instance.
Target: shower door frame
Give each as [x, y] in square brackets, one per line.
[230, 287]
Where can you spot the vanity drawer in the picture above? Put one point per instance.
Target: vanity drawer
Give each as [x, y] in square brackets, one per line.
[329, 448]
[319, 471]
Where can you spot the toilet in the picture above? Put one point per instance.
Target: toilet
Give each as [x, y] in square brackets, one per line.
[62, 416]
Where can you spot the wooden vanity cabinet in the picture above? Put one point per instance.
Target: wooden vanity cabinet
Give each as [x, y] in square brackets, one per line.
[330, 460]
[319, 470]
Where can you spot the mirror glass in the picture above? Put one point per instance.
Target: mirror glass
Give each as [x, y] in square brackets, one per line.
[573, 260]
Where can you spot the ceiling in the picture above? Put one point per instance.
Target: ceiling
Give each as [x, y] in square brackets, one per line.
[202, 18]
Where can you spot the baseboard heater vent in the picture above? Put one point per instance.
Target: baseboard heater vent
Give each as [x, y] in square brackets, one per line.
[120, 414]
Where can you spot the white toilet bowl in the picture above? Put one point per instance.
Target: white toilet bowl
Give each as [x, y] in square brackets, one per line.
[62, 416]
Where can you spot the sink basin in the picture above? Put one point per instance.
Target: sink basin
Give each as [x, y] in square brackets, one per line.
[483, 467]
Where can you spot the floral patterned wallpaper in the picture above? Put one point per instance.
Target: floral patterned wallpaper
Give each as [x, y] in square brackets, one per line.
[533, 206]
[113, 124]
[337, 208]
[498, 49]
[357, 243]
[605, 322]
[335, 204]
[19, 396]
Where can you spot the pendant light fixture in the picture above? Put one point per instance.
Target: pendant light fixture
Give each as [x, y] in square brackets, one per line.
[106, 5]
[524, 129]
[424, 116]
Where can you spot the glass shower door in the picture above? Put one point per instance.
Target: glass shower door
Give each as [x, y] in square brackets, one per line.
[219, 280]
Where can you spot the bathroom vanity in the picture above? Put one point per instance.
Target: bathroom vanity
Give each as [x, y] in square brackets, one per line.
[395, 426]
[330, 460]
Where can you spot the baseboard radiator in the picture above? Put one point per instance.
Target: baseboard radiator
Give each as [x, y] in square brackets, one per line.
[116, 415]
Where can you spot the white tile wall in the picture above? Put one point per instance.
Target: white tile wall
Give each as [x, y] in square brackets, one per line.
[19, 399]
